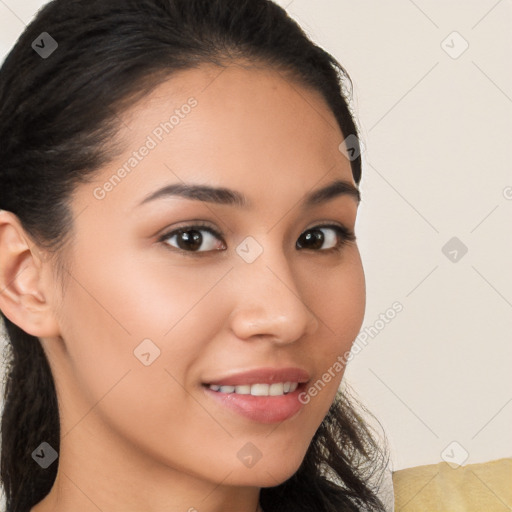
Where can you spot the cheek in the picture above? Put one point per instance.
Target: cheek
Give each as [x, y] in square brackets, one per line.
[338, 299]
[120, 313]
[105, 385]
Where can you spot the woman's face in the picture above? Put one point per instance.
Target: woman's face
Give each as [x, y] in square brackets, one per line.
[149, 321]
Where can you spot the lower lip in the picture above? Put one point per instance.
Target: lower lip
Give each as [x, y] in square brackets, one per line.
[263, 409]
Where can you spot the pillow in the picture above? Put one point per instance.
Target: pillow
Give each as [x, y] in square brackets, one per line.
[485, 487]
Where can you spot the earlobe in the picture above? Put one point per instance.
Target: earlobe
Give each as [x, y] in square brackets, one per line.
[22, 297]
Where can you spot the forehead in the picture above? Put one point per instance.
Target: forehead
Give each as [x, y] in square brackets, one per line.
[247, 127]
[234, 102]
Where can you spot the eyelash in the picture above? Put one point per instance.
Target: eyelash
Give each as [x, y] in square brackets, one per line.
[345, 235]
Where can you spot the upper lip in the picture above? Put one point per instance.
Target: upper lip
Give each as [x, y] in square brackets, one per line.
[262, 376]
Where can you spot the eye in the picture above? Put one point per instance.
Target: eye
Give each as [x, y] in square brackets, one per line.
[191, 238]
[335, 238]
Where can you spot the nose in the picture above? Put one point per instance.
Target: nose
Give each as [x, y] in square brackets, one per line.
[269, 303]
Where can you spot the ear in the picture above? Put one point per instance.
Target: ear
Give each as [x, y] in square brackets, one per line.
[23, 299]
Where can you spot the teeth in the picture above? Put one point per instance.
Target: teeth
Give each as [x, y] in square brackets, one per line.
[260, 389]
[275, 389]
[243, 390]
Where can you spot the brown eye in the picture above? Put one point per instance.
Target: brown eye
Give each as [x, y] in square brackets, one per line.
[334, 237]
[192, 238]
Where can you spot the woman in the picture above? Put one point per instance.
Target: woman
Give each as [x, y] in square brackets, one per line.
[181, 282]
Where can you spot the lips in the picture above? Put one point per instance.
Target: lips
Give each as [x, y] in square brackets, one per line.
[272, 397]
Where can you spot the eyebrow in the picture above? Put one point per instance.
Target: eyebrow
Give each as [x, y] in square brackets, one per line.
[226, 196]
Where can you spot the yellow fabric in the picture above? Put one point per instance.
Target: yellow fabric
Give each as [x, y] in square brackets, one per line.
[485, 487]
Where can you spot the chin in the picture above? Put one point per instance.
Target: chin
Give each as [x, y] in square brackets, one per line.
[269, 473]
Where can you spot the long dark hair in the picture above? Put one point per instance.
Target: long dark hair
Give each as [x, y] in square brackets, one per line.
[58, 114]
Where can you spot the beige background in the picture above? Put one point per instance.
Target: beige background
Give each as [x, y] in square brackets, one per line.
[437, 125]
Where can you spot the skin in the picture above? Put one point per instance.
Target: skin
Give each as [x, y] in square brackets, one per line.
[138, 437]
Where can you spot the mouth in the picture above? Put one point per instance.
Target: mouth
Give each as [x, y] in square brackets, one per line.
[265, 395]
